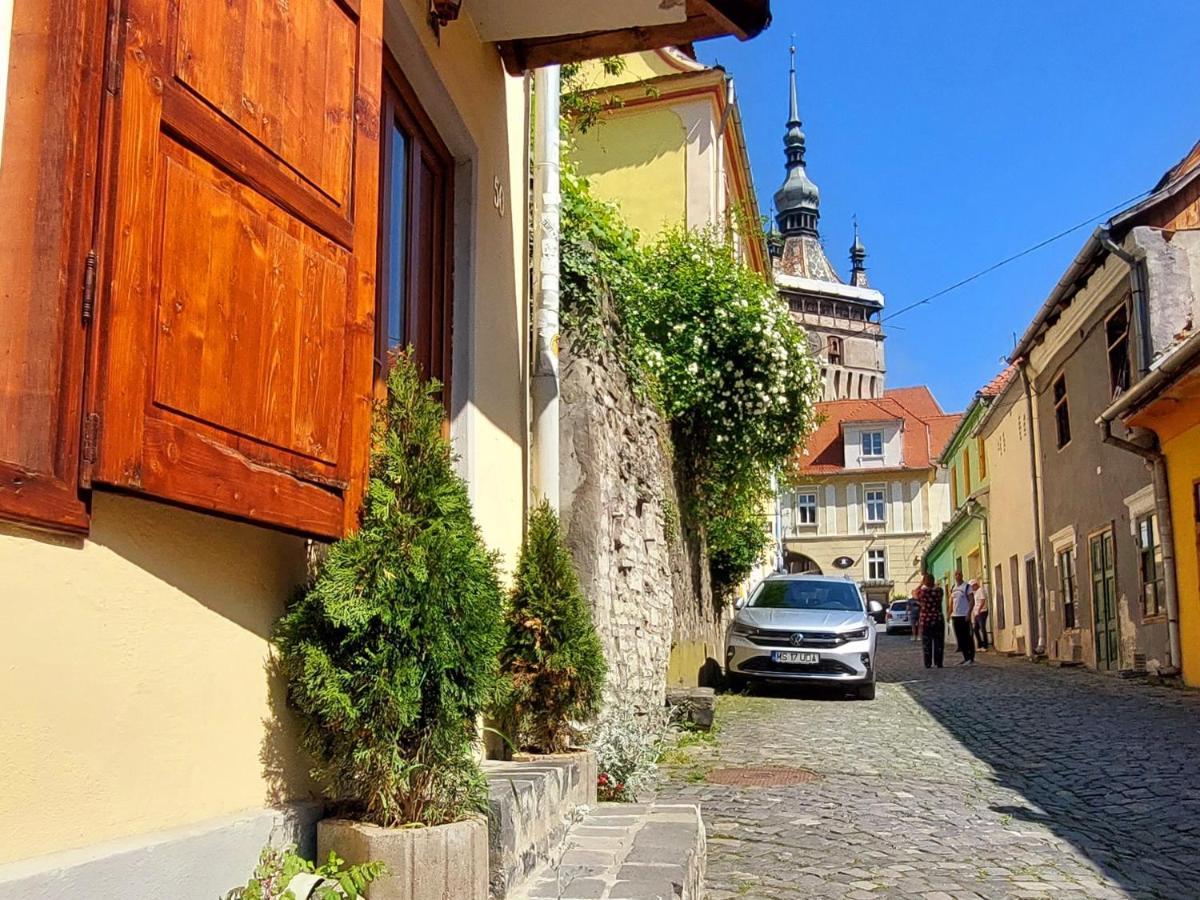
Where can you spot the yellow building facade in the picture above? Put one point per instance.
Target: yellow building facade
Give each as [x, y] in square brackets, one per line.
[670, 149]
[1170, 407]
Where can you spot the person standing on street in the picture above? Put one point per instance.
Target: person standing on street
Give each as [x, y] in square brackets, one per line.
[931, 621]
[961, 606]
[981, 614]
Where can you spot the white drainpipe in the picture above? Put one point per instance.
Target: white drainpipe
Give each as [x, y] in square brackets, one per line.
[547, 202]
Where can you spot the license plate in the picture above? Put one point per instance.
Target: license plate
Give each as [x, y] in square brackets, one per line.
[795, 657]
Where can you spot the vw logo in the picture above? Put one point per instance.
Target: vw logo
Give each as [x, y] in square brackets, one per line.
[797, 639]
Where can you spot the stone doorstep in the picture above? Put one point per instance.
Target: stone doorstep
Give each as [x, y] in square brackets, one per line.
[532, 801]
[622, 851]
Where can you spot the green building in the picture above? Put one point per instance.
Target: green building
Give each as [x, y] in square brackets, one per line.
[962, 544]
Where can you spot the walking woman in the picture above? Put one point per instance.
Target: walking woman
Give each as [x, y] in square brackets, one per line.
[931, 619]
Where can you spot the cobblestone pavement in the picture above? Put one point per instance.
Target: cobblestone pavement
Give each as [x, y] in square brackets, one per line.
[1008, 779]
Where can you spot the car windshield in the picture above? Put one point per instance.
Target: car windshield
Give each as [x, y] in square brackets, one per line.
[832, 595]
[901, 606]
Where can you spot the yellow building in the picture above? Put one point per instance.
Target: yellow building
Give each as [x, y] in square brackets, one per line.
[154, 518]
[1167, 402]
[670, 149]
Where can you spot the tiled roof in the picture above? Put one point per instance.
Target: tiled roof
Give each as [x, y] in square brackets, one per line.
[996, 386]
[925, 431]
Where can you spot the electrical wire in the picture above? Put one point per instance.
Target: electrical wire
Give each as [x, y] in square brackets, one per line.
[1004, 262]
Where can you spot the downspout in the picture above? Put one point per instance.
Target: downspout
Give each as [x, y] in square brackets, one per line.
[547, 201]
[1153, 454]
[1166, 532]
[1040, 649]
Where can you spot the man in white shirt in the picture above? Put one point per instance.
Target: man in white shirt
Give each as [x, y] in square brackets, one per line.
[962, 604]
[981, 614]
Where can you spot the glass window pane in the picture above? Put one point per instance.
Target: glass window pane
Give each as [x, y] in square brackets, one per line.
[397, 238]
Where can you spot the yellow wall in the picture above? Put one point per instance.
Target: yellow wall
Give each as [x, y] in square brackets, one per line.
[638, 160]
[1183, 469]
[134, 692]
[1010, 508]
[480, 113]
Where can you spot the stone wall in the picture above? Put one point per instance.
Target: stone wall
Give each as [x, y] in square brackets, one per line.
[641, 565]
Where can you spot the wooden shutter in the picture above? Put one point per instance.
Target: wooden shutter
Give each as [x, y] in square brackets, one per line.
[235, 357]
[47, 191]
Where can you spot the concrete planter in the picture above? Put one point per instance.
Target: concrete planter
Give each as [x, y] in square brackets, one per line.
[445, 862]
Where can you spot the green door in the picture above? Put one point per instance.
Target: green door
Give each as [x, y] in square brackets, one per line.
[1104, 601]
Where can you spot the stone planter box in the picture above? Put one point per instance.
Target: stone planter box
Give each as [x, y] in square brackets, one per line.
[445, 862]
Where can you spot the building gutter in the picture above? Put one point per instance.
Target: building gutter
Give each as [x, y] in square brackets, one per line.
[544, 386]
[1022, 364]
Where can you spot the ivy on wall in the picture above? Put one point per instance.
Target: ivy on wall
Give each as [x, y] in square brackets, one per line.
[711, 343]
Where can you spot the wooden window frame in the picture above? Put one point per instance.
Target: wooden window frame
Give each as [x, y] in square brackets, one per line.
[803, 507]
[1067, 584]
[867, 491]
[1062, 411]
[1152, 583]
[1117, 348]
[46, 266]
[428, 322]
[882, 562]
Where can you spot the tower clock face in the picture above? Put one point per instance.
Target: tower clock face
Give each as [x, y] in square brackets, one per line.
[815, 343]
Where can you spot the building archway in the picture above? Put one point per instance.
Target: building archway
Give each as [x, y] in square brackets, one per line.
[798, 564]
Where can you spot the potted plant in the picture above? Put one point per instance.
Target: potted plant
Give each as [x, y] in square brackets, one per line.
[391, 656]
[552, 659]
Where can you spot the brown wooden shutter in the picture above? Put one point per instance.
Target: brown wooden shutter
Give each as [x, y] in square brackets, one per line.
[235, 358]
[47, 188]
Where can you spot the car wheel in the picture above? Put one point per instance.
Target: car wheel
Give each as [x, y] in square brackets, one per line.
[735, 683]
[866, 691]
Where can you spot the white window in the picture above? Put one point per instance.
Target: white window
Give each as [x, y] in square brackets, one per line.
[872, 443]
[806, 509]
[876, 500]
[876, 565]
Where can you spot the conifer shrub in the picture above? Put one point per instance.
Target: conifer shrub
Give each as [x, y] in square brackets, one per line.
[552, 656]
[391, 653]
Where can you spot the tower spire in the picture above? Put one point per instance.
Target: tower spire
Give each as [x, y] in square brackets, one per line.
[797, 202]
[858, 255]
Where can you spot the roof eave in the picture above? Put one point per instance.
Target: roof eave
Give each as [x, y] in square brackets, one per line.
[743, 19]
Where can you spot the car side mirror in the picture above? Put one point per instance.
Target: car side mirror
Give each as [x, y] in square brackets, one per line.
[739, 602]
[875, 606]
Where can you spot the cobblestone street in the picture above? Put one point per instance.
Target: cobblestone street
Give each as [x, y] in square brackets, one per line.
[1005, 780]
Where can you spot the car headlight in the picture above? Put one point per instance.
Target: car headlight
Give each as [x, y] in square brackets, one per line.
[858, 635]
[742, 628]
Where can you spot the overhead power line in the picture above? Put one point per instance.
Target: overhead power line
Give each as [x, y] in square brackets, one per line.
[1004, 262]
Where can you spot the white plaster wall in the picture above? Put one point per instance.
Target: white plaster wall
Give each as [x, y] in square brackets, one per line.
[891, 445]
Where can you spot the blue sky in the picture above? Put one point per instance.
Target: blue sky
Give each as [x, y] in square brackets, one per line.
[961, 133]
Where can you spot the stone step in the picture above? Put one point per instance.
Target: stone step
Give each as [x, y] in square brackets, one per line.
[532, 802]
[626, 851]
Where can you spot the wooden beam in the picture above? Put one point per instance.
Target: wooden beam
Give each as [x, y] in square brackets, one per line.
[531, 54]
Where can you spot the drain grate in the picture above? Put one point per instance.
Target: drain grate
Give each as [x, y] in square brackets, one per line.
[763, 776]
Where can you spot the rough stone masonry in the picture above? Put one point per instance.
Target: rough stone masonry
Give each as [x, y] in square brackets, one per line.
[642, 566]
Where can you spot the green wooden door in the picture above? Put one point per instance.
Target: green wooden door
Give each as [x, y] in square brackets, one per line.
[1104, 601]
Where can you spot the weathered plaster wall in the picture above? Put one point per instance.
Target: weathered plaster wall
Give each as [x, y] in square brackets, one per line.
[644, 575]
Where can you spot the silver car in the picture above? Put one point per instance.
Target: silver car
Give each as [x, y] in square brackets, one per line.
[901, 616]
[804, 628]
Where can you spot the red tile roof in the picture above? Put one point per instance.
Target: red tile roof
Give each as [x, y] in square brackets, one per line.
[925, 430]
[996, 386]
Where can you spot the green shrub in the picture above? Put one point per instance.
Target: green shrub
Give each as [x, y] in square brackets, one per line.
[276, 868]
[552, 657]
[391, 653]
[627, 748]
